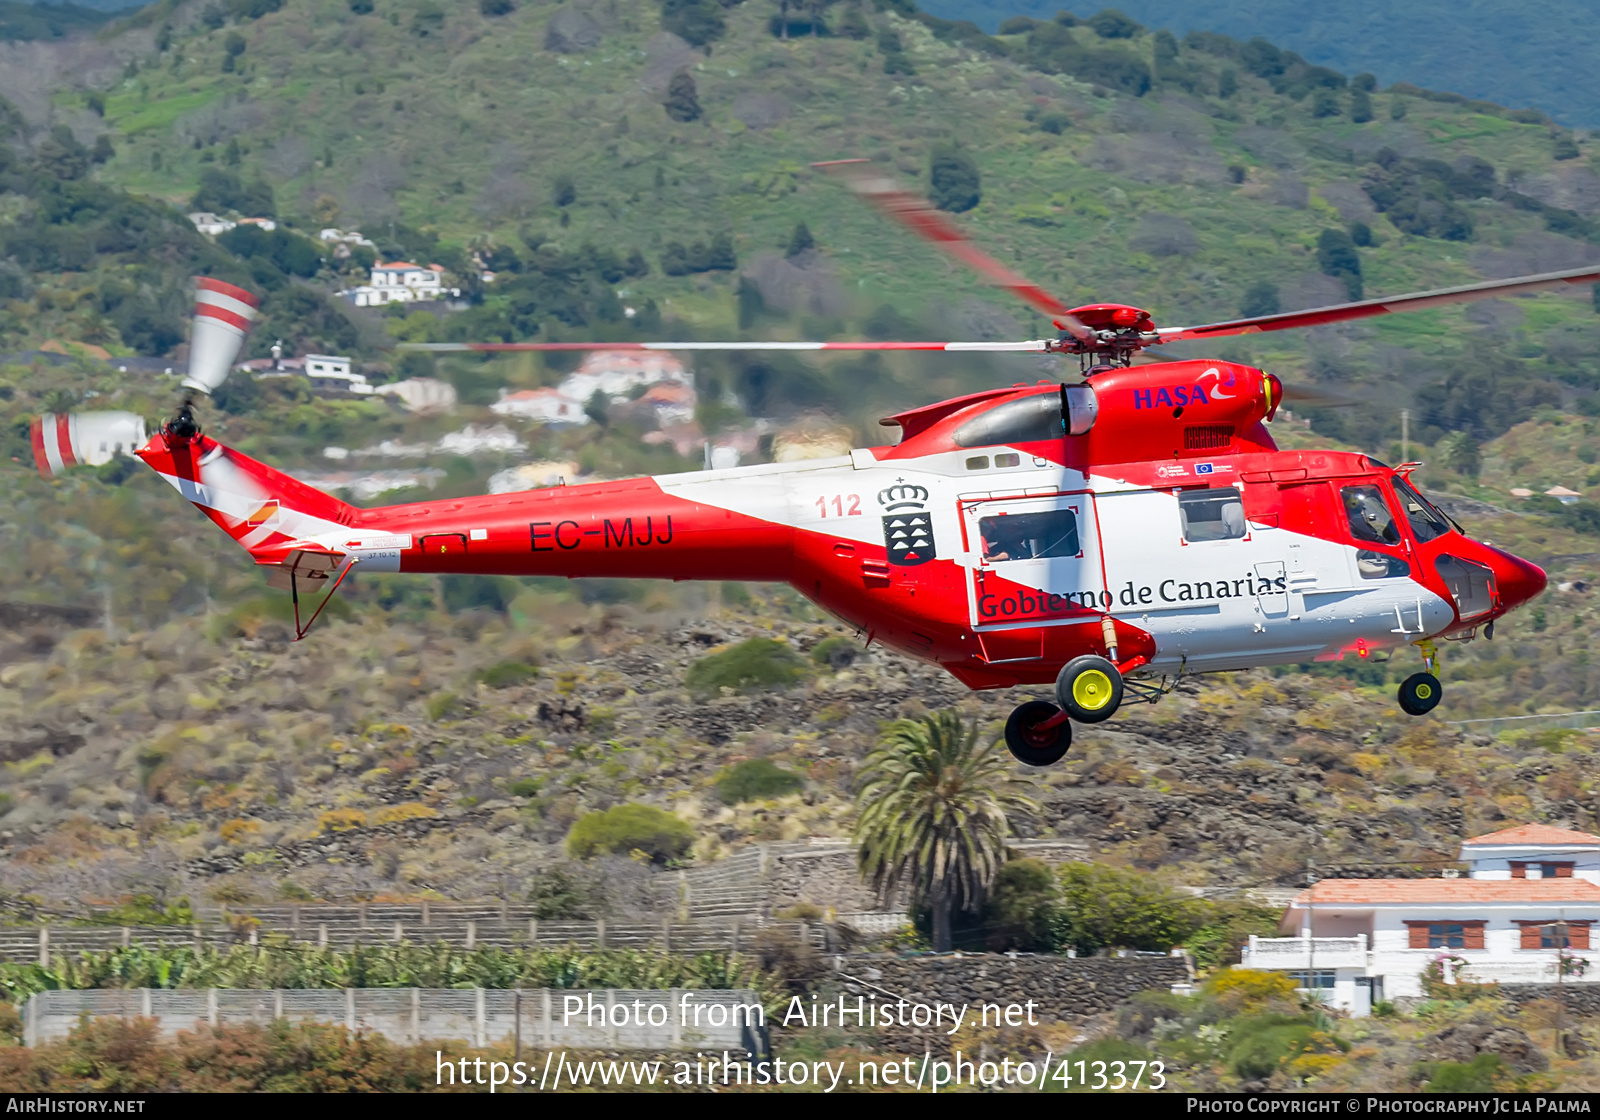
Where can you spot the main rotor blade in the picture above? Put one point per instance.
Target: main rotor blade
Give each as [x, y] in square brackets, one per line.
[921, 218]
[1036, 346]
[1415, 301]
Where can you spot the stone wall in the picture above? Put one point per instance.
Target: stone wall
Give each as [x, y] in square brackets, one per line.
[1581, 998]
[1063, 989]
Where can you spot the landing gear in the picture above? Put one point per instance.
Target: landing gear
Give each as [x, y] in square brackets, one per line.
[1089, 689]
[1037, 733]
[1420, 694]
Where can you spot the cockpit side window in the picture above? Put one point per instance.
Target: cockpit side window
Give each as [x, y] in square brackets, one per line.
[1369, 516]
[1427, 523]
[1025, 420]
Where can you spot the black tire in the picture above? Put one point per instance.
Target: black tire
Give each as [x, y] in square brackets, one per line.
[1033, 748]
[1420, 694]
[1089, 689]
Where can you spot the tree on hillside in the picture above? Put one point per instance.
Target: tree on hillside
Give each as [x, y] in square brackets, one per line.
[800, 240]
[936, 801]
[1360, 105]
[683, 99]
[1337, 257]
[697, 22]
[954, 179]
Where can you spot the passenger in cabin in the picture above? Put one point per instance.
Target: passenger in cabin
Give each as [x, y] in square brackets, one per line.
[1369, 516]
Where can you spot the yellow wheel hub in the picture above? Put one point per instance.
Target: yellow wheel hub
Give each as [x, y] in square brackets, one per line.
[1091, 690]
[1424, 691]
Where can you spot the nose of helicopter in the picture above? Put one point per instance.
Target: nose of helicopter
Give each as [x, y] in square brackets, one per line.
[1517, 580]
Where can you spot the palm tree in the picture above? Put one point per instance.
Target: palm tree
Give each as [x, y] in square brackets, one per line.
[934, 804]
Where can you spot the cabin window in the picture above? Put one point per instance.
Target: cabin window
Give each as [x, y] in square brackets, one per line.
[1009, 459]
[1368, 515]
[1427, 523]
[1024, 420]
[1380, 565]
[978, 463]
[1030, 536]
[1212, 515]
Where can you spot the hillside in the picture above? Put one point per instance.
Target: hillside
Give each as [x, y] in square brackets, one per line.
[162, 737]
[1486, 49]
[420, 134]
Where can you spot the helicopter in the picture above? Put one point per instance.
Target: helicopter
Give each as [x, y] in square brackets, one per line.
[1101, 537]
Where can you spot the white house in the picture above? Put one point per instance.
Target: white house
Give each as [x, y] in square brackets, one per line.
[1533, 851]
[616, 373]
[422, 394]
[328, 371]
[209, 224]
[1362, 940]
[266, 224]
[345, 237]
[401, 282]
[543, 406]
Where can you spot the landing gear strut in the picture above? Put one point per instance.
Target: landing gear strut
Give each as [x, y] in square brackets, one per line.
[1037, 733]
[1420, 693]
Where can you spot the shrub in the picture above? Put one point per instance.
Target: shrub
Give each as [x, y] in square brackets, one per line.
[954, 181]
[559, 895]
[835, 652]
[1263, 1043]
[525, 787]
[492, 8]
[1022, 911]
[441, 705]
[752, 665]
[697, 22]
[1261, 298]
[508, 673]
[628, 828]
[1112, 24]
[1104, 907]
[1054, 123]
[1251, 990]
[755, 779]
[1481, 1075]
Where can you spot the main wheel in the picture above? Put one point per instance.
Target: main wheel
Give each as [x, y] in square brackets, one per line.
[1089, 689]
[1028, 742]
[1420, 694]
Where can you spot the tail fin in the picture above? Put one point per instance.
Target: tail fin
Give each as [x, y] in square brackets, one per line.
[267, 512]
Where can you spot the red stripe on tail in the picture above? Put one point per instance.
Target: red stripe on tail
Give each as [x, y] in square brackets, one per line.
[206, 283]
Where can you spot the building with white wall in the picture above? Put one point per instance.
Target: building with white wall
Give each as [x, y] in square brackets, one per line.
[401, 282]
[1362, 940]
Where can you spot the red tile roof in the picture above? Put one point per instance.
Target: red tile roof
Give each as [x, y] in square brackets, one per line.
[1379, 892]
[1535, 834]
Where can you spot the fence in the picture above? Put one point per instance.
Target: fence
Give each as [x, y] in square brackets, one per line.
[338, 928]
[1495, 724]
[1306, 952]
[610, 1019]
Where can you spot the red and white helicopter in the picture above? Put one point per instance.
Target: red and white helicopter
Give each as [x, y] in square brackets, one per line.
[1103, 536]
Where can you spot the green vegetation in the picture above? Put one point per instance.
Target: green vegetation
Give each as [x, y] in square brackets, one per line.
[507, 674]
[1427, 42]
[756, 779]
[936, 801]
[403, 965]
[752, 665]
[835, 652]
[660, 835]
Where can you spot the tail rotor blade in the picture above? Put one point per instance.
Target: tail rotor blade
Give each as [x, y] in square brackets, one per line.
[62, 440]
[921, 218]
[222, 317]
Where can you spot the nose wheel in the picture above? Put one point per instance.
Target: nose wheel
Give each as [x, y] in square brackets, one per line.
[1038, 733]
